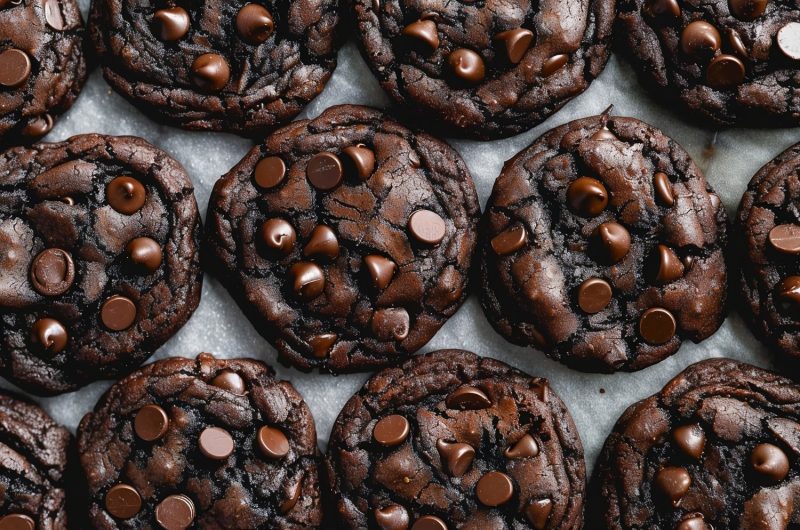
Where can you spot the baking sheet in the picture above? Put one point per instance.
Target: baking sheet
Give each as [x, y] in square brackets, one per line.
[728, 158]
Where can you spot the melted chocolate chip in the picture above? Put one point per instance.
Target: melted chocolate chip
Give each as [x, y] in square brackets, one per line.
[700, 40]
[510, 240]
[770, 462]
[392, 517]
[391, 430]
[466, 65]
[657, 326]
[594, 295]
[516, 43]
[278, 235]
[230, 381]
[468, 398]
[323, 242]
[38, 126]
[293, 495]
[49, 335]
[171, 24]
[118, 313]
[663, 189]
[15, 68]
[176, 512]
[423, 32]
[324, 171]
[736, 43]
[391, 323]
[673, 483]
[457, 457]
[494, 488]
[270, 172]
[785, 238]
[360, 160]
[587, 197]
[691, 440]
[151, 423]
[123, 501]
[272, 442]
[526, 447]
[611, 242]
[308, 279]
[145, 253]
[210, 72]
[254, 24]
[52, 272]
[427, 227]
[215, 443]
[126, 195]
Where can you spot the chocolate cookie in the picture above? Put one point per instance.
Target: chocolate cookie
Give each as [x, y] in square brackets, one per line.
[346, 239]
[42, 65]
[99, 259]
[484, 69]
[208, 444]
[33, 465]
[730, 62]
[718, 448]
[217, 65]
[603, 246]
[768, 244]
[450, 440]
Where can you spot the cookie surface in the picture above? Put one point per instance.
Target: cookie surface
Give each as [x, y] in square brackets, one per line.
[450, 440]
[204, 443]
[33, 456]
[602, 245]
[768, 244]
[346, 239]
[484, 69]
[99, 260]
[729, 62]
[217, 65]
[42, 65]
[718, 447]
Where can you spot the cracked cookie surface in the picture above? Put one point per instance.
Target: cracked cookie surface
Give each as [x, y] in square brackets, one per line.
[99, 261]
[718, 448]
[346, 239]
[217, 65]
[201, 444]
[450, 440]
[42, 65]
[484, 69]
[728, 62]
[603, 246]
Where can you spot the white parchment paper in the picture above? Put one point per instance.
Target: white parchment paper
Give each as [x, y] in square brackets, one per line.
[728, 158]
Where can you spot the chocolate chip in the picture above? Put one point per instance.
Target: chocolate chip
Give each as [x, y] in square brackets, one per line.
[215, 443]
[516, 42]
[391, 323]
[324, 171]
[770, 462]
[494, 488]
[747, 9]
[603, 134]
[16, 521]
[270, 172]
[15, 68]
[725, 72]
[456, 457]
[466, 65]
[736, 43]
[123, 501]
[587, 197]
[789, 290]
[360, 160]
[126, 195]
[510, 240]
[53, 15]
[526, 447]
[663, 8]
[611, 242]
[278, 235]
[49, 335]
[785, 238]
[38, 126]
[210, 72]
[308, 279]
[171, 24]
[429, 522]
[176, 512]
[663, 189]
[423, 32]
[691, 440]
[391, 430]
[427, 227]
[468, 398]
[118, 313]
[673, 483]
[695, 521]
[554, 64]
[323, 242]
[272, 442]
[392, 517]
[538, 512]
[665, 266]
[657, 326]
[293, 495]
[230, 381]
[380, 269]
[52, 272]
[254, 24]
[699, 40]
[321, 344]
[151, 423]
[145, 253]
[594, 295]
[789, 40]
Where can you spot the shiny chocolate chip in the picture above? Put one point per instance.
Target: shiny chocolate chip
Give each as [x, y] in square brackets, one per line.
[516, 43]
[123, 501]
[663, 189]
[554, 64]
[663, 8]
[118, 313]
[494, 488]
[657, 326]
[49, 335]
[254, 24]
[269, 172]
[725, 72]
[210, 72]
[52, 272]
[15, 68]
[785, 238]
[272, 442]
[691, 440]
[176, 512]
[789, 290]
[381, 270]
[278, 235]
[324, 171]
[611, 242]
[747, 9]
[665, 266]
[391, 517]
[321, 344]
[466, 65]
[360, 160]
[510, 240]
[525, 447]
[456, 457]
[215, 443]
[699, 40]
[230, 381]
[429, 522]
[323, 242]
[587, 197]
[126, 195]
[427, 227]
[770, 462]
[390, 324]
[53, 15]
[789, 40]
[594, 295]
[391, 430]
[145, 253]
[423, 32]
[538, 512]
[468, 398]
[171, 24]
[17, 521]
[673, 483]
[151, 423]
[308, 279]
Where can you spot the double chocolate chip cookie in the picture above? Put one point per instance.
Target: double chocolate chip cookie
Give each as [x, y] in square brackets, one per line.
[347, 239]
[718, 448]
[768, 243]
[33, 467]
[730, 62]
[207, 444]
[603, 246]
[451, 440]
[99, 259]
[42, 65]
[217, 65]
[484, 69]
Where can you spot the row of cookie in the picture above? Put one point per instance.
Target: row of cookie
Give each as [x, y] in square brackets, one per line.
[446, 440]
[484, 69]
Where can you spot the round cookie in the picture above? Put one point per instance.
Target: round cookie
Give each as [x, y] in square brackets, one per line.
[484, 69]
[603, 246]
[718, 448]
[205, 443]
[729, 62]
[450, 440]
[217, 65]
[768, 244]
[33, 467]
[99, 261]
[347, 239]
[42, 65]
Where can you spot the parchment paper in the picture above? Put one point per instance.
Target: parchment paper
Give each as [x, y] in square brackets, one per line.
[728, 158]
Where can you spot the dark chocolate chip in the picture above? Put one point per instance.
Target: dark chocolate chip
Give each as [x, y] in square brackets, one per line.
[663, 189]
[691, 440]
[789, 290]
[392, 517]
[611, 242]
[770, 462]
[151, 423]
[423, 32]
[126, 195]
[587, 197]
[273, 442]
[391, 323]
[700, 40]
[118, 313]
[736, 43]
[360, 159]
[494, 488]
[123, 501]
[380, 269]
[725, 72]
[468, 398]
[145, 253]
[230, 381]
[52, 272]
[554, 64]
[695, 521]
[324, 171]
[665, 266]
[526, 447]
[510, 240]
[663, 8]
[278, 235]
[171, 24]
[516, 42]
[17, 521]
[49, 335]
[747, 9]
[323, 242]
[210, 72]
[293, 492]
[657, 326]
[254, 24]
[321, 344]
[594, 295]
[538, 512]
[270, 172]
[429, 522]
[308, 279]
[673, 483]
[391, 430]
[466, 65]
[456, 457]
[38, 126]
